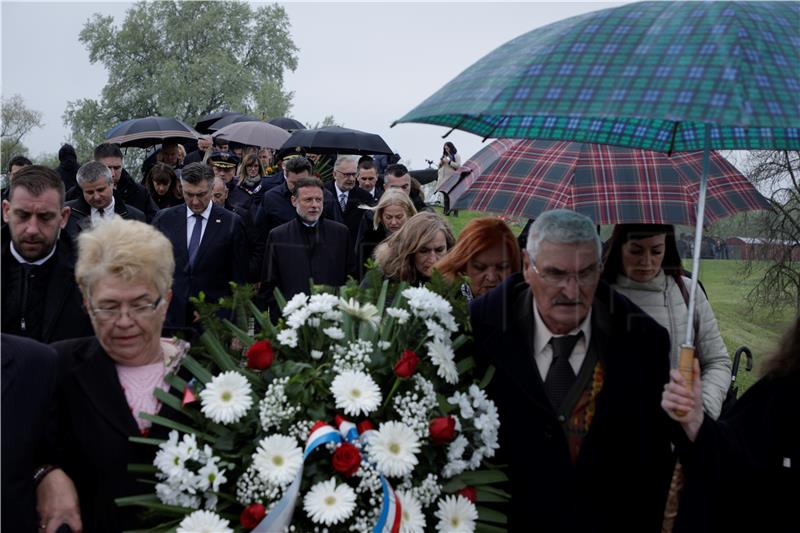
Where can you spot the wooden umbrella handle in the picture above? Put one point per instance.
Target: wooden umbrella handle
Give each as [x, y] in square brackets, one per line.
[686, 368]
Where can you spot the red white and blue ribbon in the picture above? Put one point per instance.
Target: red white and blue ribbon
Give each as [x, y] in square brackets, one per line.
[280, 517]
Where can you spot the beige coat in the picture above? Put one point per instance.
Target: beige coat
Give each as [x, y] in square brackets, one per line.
[661, 298]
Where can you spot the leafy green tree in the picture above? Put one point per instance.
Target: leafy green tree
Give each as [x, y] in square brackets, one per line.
[184, 59]
[17, 121]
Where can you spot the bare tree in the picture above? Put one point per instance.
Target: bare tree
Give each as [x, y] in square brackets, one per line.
[777, 175]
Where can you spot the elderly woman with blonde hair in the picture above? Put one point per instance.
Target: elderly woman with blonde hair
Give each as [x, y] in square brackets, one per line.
[409, 254]
[108, 381]
[394, 209]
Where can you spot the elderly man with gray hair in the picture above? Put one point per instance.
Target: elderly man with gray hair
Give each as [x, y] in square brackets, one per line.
[97, 200]
[579, 372]
[350, 199]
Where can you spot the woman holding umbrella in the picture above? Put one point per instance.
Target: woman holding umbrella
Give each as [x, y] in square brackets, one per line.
[642, 263]
[448, 164]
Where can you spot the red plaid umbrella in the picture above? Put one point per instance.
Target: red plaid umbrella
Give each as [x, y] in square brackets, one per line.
[609, 184]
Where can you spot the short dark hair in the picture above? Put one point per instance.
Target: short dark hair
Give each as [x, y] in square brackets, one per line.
[297, 164]
[18, 161]
[107, 150]
[397, 170]
[36, 179]
[194, 173]
[366, 164]
[364, 158]
[307, 182]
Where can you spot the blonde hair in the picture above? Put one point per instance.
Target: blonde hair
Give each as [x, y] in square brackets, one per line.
[390, 198]
[129, 249]
[395, 256]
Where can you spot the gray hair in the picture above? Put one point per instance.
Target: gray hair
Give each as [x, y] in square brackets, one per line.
[93, 171]
[344, 158]
[194, 173]
[562, 226]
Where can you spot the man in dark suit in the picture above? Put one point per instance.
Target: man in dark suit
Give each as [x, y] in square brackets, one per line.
[208, 241]
[40, 297]
[29, 441]
[578, 381]
[306, 247]
[349, 198]
[98, 200]
[368, 179]
[276, 208]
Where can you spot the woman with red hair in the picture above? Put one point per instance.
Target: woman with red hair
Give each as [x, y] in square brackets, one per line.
[486, 252]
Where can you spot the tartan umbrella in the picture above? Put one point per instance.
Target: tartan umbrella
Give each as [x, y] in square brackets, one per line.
[609, 184]
[666, 76]
[645, 75]
[147, 131]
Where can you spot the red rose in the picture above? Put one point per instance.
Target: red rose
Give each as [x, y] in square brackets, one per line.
[252, 515]
[259, 355]
[442, 429]
[318, 424]
[364, 426]
[346, 459]
[404, 368]
[470, 493]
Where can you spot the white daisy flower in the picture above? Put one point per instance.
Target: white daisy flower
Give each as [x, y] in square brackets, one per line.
[393, 448]
[328, 503]
[412, 519]
[366, 313]
[356, 393]
[334, 333]
[456, 514]
[401, 315]
[204, 522]
[210, 477]
[297, 301]
[288, 337]
[277, 459]
[316, 354]
[226, 398]
[441, 354]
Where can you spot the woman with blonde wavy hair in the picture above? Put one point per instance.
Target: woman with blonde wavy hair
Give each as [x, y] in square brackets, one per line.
[409, 254]
[394, 209]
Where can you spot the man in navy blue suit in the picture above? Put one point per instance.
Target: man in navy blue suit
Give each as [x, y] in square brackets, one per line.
[208, 242]
[349, 197]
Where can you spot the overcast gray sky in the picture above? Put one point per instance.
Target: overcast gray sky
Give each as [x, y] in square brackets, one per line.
[366, 64]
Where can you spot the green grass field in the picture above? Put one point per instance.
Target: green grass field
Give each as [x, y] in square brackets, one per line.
[740, 323]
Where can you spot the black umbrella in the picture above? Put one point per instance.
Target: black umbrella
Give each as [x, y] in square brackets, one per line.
[425, 176]
[289, 124]
[144, 132]
[337, 140]
[205, 121]
[230, 119]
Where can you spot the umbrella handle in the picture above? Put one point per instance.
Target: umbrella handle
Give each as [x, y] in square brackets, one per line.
[685, 367]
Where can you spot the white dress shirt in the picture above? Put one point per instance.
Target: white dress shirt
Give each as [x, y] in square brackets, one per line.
[191, 220]
[108, 212]
[543, 350]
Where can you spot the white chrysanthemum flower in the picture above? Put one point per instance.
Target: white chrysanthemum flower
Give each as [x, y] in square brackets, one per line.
[384, 345]
[278, 459]
[210, 477]
[316, 354]
[401, 315]
[425, 303]
[366, 313]
[412, 519]
[334, 333]
[328, 503]
[356, 393]
[204, 522]
[322, 303]
[298, 318]
[226, 398]
[297, 301]
[441, 354]
[393, 448]
[456, 513]
[288, 337]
